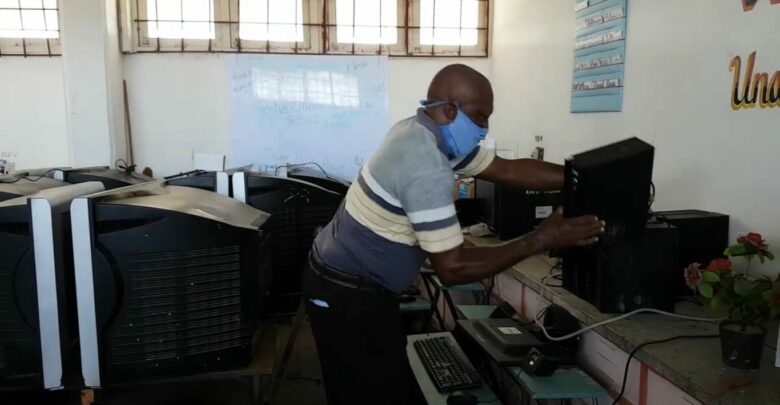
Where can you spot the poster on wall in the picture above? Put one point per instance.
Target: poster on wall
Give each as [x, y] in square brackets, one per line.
[599, 55]
[296, 109]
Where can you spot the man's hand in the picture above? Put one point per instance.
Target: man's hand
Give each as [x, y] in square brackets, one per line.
[557, 232]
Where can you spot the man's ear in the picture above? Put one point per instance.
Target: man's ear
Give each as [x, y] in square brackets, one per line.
[450, 111]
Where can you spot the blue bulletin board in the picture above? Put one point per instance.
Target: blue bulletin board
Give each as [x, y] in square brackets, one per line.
[599, 55]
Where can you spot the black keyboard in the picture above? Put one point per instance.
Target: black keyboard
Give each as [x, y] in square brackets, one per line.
[447, 368]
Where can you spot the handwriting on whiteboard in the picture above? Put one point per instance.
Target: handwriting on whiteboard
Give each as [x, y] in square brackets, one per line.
[295, 109]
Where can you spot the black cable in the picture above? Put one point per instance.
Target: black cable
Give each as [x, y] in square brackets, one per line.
[276, 171]
[123, 167]
[489, 291]
[129, 170]
[31, 179]
[654, 342]
[185, 174]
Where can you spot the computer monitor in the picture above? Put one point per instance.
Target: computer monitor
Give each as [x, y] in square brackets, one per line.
[111, 178]
[169, 282]
[320, 178]
[37, 305]
[297, 209]
[218, 182]
[509, 212]
[22, 184]
[613, 183]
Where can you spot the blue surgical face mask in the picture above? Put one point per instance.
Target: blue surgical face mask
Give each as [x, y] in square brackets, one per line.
[461, 135]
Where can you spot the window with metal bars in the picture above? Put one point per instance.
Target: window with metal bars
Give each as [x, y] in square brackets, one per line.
[386, 27]
[29, 28]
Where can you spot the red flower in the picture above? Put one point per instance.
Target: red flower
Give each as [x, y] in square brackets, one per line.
[720, 266]
[693, 276]
[754, 239]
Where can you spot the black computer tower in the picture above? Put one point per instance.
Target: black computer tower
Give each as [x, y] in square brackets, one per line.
[703, 237]
[509, 212]
[640, 275]
[643, 277]
[612, 183]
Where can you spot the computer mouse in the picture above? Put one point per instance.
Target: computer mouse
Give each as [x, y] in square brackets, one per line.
[461, 398]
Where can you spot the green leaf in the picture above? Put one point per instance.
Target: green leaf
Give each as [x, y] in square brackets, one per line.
[775, 313]
[767, 295]
[769, 255]
[711, 277]
[742, 286]
[705, 290]
[718, 302]
[735, 250]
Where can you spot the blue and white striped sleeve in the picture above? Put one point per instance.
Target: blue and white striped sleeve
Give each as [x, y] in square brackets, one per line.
[474, 163]
[427, 201]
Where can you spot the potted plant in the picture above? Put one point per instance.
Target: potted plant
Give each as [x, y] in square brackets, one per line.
[750, 302]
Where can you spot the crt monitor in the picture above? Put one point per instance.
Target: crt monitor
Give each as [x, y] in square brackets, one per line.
[218, 182]
[613, 183]
[297, 209]
[510, 213]
[111, 178]
[22, 184]
[169, 282]
[37, 316]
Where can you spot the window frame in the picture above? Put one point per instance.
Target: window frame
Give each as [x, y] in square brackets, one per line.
[25, 46]
[417, 48]
[311, 39]
[319, 30]
[351, 48]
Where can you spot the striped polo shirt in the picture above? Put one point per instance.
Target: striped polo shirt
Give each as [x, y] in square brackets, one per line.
[400, 208]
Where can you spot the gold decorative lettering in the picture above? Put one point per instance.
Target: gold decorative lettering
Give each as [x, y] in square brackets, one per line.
[735, 66]
[774, 90]
[757, 89]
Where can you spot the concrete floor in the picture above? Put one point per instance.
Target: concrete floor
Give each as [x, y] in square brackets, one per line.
[303, 383]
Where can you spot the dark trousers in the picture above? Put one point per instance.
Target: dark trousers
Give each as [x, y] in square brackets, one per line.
[359, 340]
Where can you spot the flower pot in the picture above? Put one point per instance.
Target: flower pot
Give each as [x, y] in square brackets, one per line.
[741, 350]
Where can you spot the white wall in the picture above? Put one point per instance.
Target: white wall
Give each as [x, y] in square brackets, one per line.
[93, 82]
[32, 112]
[179, 103]
[677, 95]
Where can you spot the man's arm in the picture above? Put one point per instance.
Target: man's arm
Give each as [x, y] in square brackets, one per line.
[528, 174]
[463, 265]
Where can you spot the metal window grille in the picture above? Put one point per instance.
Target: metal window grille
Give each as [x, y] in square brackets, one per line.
[351, 27]
[29, 28]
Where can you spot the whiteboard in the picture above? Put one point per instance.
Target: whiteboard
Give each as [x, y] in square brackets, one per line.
[293, 109]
